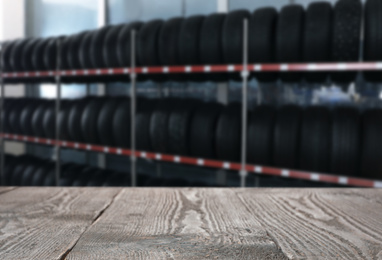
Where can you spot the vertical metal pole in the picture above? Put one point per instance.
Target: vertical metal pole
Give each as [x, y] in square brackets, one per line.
[244, 74]
[2, 157]
[133, 97]
[57, 111]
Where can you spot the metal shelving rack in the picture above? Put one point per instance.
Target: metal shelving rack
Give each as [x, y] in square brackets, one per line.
[133, 72]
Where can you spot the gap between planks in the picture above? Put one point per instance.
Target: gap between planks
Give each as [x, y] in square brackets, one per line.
[65, 254]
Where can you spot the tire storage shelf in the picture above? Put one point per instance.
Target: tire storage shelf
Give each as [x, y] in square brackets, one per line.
[256, 169]
[231, 50]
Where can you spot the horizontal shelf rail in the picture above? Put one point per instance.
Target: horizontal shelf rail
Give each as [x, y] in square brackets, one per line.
[256, 169]
[284, 67]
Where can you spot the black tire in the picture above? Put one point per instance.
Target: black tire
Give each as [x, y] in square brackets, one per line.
[116, 179]
[73, 58]
[84, 177]
[27, 55]
[228, 133]
[41, 172]
[63, 118]
[189, 39]
[260, 135]
[75, 117]
[286, 137]
[373, 37]
[5, 117]
[38, 118]
[289, 39]
[109, 51]
[121, 124]
[142, 126]
[105, 121]
[11, 163]
[26, 116]
[124, 44]
[14, 115]
[233, 36]
[159, 125]
[179, 124]
[17, 54]
[168, 42]
[147, 43]
[203, 129]
[23, 162]
[38, 55]
[48, 121]
[371, 163]
[83, 51]
[345, 155]
[154, 182]
[70, 173]
[318, 38]
[89, 120]
[315, 142]
[98, 179]
[7, 55]
[347, 22]
[261, 41]
[175, 183]
[96, 47]
[64, 53]
[50, 53]
[29, 173]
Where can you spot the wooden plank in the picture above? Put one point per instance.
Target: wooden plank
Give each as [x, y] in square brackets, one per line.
[320, 223]
[176, 224]
[45, 223]
[6, 189]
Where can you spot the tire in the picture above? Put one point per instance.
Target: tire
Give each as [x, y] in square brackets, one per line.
[74, 44]
[83, 51]
[16, 55]
[29, 172]
[105, 121]
[41, 172]
[175, 183]
[74, 120]
[84, 177]
[289, 39]
[7, 55]
[159, 124]
[64, 53]
[147, 43]
[23, 162]
[371, 163]
[8, 108]
[98, 179]
[26, 116]
[124, 44]
[142, 126]
[70, 173]
[347, 22]
[233, 36]
[38, 55]
[63, 118]
[261, 41]
[27, 55]
[50, 53]
[373, 37]
[11, 163]
[89, 120]
[228, 133]
[38, 118]
[48, 121]
[179, 124]
[318, 38]
[154, 182]
[110, 55]
[189, 39]
[14, 115]
[345, 154]
[96, 47]
[286, 137]
[168, 42]
[203, 129]
[315, 142]
[121, 124]
[260, 135]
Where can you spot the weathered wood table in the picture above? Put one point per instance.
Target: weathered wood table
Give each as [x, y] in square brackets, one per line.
[148, 223]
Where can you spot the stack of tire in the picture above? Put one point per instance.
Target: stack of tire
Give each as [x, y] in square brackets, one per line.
[28, 170]
[340, 141]
[322, 33]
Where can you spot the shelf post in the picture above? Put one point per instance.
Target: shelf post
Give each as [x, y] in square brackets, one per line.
[133, 99]
[2, 150]
[57, 111]
[244, 75]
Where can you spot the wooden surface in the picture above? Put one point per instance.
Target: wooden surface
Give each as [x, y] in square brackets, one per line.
[104, 223]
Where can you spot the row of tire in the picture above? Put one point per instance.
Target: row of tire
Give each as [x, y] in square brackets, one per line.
[319, 34]
[27, 170]
[341, 141]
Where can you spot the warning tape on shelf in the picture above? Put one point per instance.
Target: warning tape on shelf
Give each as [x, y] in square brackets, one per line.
[263, 170]
[355, 66]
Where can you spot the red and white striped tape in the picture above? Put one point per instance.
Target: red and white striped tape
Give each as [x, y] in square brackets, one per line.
[286, 173]
[354, 66]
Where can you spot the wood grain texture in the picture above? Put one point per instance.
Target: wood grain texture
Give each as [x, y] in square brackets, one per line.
[320, 223]
[45, 223]
[6, 189]
[176, 224]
